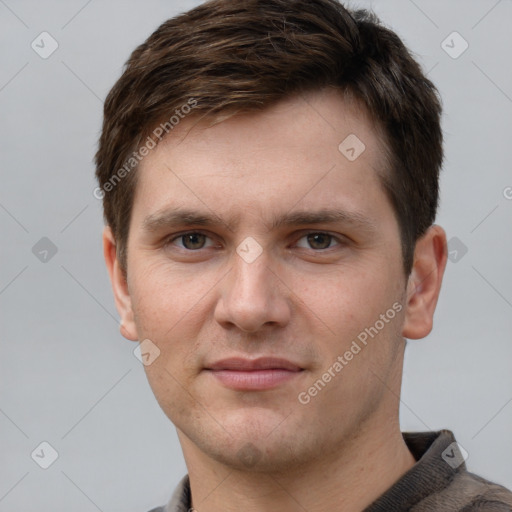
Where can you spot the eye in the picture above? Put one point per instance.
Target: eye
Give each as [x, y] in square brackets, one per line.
[191, 241]
[318, 240]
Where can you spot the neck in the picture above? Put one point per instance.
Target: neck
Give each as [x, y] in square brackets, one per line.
[349, 478]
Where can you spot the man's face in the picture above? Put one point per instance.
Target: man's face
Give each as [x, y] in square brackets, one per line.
[246, 285]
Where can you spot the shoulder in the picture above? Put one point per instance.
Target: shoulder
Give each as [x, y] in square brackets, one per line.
[489, 497]
[468, 492]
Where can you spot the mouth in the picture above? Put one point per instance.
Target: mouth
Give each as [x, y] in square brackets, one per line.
[254, 375]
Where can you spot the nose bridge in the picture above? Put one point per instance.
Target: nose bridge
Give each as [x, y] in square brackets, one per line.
[251, 275]
[250, 296]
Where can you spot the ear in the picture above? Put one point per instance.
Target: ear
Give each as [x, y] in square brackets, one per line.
[424, 285]
[119, 286]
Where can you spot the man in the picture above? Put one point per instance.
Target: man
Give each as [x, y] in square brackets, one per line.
[269, 173]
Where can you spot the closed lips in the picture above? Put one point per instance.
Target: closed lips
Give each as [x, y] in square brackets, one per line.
[264, 363]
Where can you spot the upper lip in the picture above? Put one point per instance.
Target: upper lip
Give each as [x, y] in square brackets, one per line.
[261, 363]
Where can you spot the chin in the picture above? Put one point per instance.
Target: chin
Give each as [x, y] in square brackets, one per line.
[274, 451]
[247, 456]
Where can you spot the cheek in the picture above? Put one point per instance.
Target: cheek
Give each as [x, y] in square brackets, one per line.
[346, 294]
[348, 304]
[172, 391]
[163, 296]
[170, 309]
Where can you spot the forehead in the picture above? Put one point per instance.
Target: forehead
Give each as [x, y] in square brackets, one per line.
[308, 149]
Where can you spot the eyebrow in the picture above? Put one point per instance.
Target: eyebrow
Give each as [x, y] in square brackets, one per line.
[172, 217]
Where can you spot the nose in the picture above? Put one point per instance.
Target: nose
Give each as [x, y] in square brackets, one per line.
[253, 295]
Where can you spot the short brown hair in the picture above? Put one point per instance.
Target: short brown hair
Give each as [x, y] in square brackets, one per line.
[232, 56]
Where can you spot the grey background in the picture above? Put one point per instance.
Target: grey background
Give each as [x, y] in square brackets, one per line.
[68, 377]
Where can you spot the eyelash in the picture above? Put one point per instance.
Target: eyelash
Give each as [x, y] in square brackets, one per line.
[169, 241]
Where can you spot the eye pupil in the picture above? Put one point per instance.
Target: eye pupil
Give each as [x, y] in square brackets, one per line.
[193, 239]
[315, 238]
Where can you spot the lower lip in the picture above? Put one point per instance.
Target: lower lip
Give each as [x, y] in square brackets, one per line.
[254, 379]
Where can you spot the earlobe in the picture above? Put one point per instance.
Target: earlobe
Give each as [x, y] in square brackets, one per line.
[424, 283]
[119, 286]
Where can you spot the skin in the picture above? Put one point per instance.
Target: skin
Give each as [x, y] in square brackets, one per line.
[304, 298]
